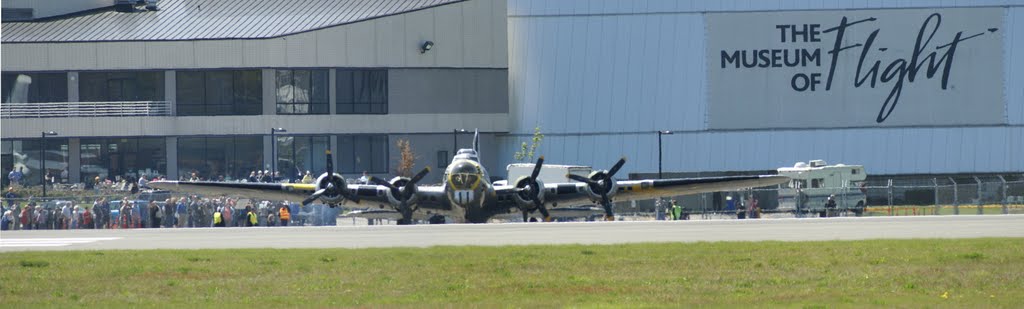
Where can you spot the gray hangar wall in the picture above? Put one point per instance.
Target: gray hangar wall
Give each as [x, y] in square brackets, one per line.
[751, 85]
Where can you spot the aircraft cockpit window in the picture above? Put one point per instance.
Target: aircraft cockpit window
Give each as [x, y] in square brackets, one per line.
[464, 175]
[464, 181]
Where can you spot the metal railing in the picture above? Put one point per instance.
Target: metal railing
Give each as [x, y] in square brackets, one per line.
[86, 109]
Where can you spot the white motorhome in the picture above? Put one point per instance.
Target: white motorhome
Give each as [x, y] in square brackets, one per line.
[549, 173]
[813, 182]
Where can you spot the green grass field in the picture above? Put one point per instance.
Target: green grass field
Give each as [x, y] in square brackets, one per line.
[878, 273]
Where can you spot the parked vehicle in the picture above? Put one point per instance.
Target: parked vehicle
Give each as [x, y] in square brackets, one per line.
[815, 181]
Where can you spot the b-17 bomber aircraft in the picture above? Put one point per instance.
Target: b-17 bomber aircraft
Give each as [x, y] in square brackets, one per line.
[467, 196]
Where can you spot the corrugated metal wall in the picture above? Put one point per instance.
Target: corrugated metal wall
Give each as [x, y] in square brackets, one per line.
[600, 77]
[882, 151]
[607, 73]
[1014, 42]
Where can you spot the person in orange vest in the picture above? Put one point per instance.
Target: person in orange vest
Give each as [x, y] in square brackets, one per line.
[284, 215]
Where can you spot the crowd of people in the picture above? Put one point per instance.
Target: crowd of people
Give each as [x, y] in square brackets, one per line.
[254, 176]
[184, 212]
[188, 211]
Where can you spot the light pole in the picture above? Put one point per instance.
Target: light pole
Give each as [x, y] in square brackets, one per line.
[455, 140]
[42, 158]
[660, 133]
[273, 152]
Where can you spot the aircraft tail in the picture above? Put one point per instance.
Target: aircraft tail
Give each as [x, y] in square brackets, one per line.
[19, 93]
[476, 142]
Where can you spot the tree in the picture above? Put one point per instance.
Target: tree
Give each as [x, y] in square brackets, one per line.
[407, 161]
[527, 151]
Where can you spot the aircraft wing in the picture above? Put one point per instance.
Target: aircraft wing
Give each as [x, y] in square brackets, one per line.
[573, 194]
[429, 200]
[654, 188]
[292, 192]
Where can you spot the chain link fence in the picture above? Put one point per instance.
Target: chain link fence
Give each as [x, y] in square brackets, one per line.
[959, 195]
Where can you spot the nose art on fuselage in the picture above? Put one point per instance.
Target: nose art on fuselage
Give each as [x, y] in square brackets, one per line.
[463, 197]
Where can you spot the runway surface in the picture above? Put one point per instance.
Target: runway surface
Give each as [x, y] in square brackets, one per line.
[803, 229]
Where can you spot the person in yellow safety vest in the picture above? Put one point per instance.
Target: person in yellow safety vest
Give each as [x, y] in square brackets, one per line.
[251, 215]
[218, 219]
[677, 211]
[284, 215]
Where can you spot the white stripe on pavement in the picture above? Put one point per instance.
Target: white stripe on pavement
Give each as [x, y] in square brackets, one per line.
[32, 245]
[50, 242]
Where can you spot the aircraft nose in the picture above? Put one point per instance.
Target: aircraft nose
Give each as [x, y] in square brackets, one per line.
[463, 197]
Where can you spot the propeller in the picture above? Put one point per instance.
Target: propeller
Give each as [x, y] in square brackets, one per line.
[533, 193]
[331, 185]
[602, 184]
[404, 194]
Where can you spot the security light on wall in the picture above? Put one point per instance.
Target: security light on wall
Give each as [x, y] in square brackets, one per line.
[426, 46]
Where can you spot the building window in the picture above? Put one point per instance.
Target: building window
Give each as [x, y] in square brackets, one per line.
[362, 91]
[363, 153]
[121, 86]
[23, 155]
[35, 87]
[110, 158]
[212, 158]
[224, 92]
[442, 159]
[302, 92]
[298, 154]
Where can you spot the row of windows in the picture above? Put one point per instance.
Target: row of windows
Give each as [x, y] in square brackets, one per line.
[34, 87]
[209, 157]
[121, 86]
[102, 157]
[302, 92]
[213, 92]
[24, 156]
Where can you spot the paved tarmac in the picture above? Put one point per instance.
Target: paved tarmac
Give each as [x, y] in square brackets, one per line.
[802, 229]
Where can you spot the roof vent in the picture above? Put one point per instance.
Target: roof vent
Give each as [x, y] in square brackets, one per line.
[128, 6]
[124, 6]
[18, 14]
[818, 163]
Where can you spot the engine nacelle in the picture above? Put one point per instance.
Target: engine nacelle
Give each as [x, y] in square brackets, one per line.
[610, 186]
[523, 199]
[332, 197]
[400, 182]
